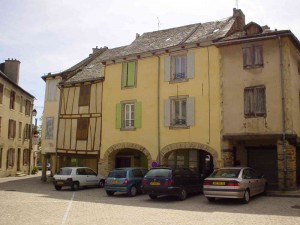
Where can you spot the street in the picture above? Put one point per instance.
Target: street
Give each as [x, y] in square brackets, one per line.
[27, 200]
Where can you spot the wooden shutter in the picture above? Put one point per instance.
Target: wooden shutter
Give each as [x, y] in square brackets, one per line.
[1, 93]
[260, 101]
[248, 101]
[247, 58]
[167, 112]
[131, 74]
[258, 56]
[190, 65]
[119, 116]
[190, 111]
[82, 128]
[167, 68]
[12, 100]
[138, 115]
[85, 95]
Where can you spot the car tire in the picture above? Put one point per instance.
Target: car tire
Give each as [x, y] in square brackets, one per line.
[182, 194]
[153, 196]
[58, 188]
[101, 183]
[132, 191]
[246, 198]
[210, 199]
[75, 186]
[110, 193]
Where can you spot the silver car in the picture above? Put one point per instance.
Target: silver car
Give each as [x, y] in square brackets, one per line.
[234, 182]
[76, 177]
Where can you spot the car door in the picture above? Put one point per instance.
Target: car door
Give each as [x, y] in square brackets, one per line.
[81, 176]
[91, 178]
[137, 177]
[249, 181]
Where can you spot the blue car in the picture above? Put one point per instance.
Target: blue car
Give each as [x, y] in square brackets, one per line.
[128, 180]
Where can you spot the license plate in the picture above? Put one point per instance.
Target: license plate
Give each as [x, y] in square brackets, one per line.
[60, 182]
[218, 183]
[114, 181]
[155, 183]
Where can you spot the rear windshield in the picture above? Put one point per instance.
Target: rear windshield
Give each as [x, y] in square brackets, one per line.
[117, 173]
[225, 173]
[159, 173]
[64, 171]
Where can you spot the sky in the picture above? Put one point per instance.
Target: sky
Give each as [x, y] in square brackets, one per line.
[53, 35]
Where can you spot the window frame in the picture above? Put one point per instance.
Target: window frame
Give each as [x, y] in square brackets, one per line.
[82, 131]
[84, 95]
[1, 156]
[10, 157]
[28, 106]
[25, 157]
[178, 77]
[179, 114]
[12, 100]
[1, 93]
[11, 129]
[125, 74]
[250, 55]
[251, 108]
[121, 115]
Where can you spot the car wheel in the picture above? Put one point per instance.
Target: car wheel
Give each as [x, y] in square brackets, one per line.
[182, 194]
[132, 191]
[75, 186]
[246, 198]
[153, 196]
[101, 183]
[110, 193]
[210, 199]
[58, 188]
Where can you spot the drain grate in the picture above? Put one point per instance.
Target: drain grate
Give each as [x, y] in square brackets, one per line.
[296, 206]
[10, 190]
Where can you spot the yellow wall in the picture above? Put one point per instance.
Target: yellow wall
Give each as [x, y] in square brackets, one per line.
[207, 107]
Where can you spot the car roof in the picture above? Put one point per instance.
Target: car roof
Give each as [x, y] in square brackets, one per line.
[75, 167]
[129, 168]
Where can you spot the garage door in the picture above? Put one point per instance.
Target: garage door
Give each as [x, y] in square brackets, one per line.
[264, 160]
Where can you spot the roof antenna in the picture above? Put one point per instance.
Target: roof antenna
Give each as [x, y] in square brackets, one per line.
[158, 23]
[237, 4]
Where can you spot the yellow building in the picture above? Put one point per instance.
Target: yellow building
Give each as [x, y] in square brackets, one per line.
[15, 122]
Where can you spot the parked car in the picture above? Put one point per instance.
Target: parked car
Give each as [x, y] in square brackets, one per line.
[172, 182]
[234, 182]
[76, 177]
[127, 180]
[39, 166]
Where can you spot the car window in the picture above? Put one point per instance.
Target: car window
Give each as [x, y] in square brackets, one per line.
[65, 171]
[248, 174]
[137, 173]
[80, 171]
[159, 173]
[177, 173]
[144, 171]
[90, 171]
[117, 173]
[226, 173]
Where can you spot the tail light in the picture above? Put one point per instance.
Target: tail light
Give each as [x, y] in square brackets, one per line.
[233, 183]
[168, 182]
[206, 182]
[144, 182]
[125, 181]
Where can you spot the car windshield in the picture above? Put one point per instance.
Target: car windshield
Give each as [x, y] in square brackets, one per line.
[64, 171]
[225, 173]
[117, 173]
[159, 173]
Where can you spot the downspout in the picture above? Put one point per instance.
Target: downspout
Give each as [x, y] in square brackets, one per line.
[283, 115]
[208, 78]
[101, 120]
[58, 122]
[158, 109]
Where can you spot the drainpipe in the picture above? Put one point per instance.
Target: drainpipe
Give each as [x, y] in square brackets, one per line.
[283, 115]
[58, 122]
[158, 109]
[208, 78]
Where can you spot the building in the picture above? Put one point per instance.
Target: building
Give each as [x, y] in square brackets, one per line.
[204, 96]
[15, 122]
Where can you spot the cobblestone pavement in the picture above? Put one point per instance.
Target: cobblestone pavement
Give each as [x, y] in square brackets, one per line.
[27, 200]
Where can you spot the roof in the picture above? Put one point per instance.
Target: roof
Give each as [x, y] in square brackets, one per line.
[14, 84]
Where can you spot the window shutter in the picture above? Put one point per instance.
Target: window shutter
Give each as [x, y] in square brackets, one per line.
[138, 115]
[125, 72]
[190, 120]
[190, 65]
[131, 74]
[167, 68]
[248, 102]
[247, 57]
[118, 116]
[167, 112]
[260, 101]
[258, 58]
[1, 93]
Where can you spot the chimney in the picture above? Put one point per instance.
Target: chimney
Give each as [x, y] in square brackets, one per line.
[95, 49]
[12, 69]
[137, 35]
[240, 18]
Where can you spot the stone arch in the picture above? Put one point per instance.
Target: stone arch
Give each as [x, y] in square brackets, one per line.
[113, 150]
[187, 145]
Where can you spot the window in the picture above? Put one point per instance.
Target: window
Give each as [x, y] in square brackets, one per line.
[128, 115]
[179, 111]
[0, 125]
[82, 128]
[21, 104]
[27, 131]
[255, 102]
[49, 128]
[179, 67]
[1, 154]
[26, 157]
[20, 130]
[10, 157]
[129, 74]
[84, 96]
[27, 108]
[1, 93]
[11, 129]
[253, 57]
[12, 100]
[51, 94]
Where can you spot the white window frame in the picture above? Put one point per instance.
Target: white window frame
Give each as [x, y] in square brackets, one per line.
[129, 115]
[179, 116]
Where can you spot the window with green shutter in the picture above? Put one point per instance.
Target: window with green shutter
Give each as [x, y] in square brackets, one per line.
[128, 115]
[129, 74]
